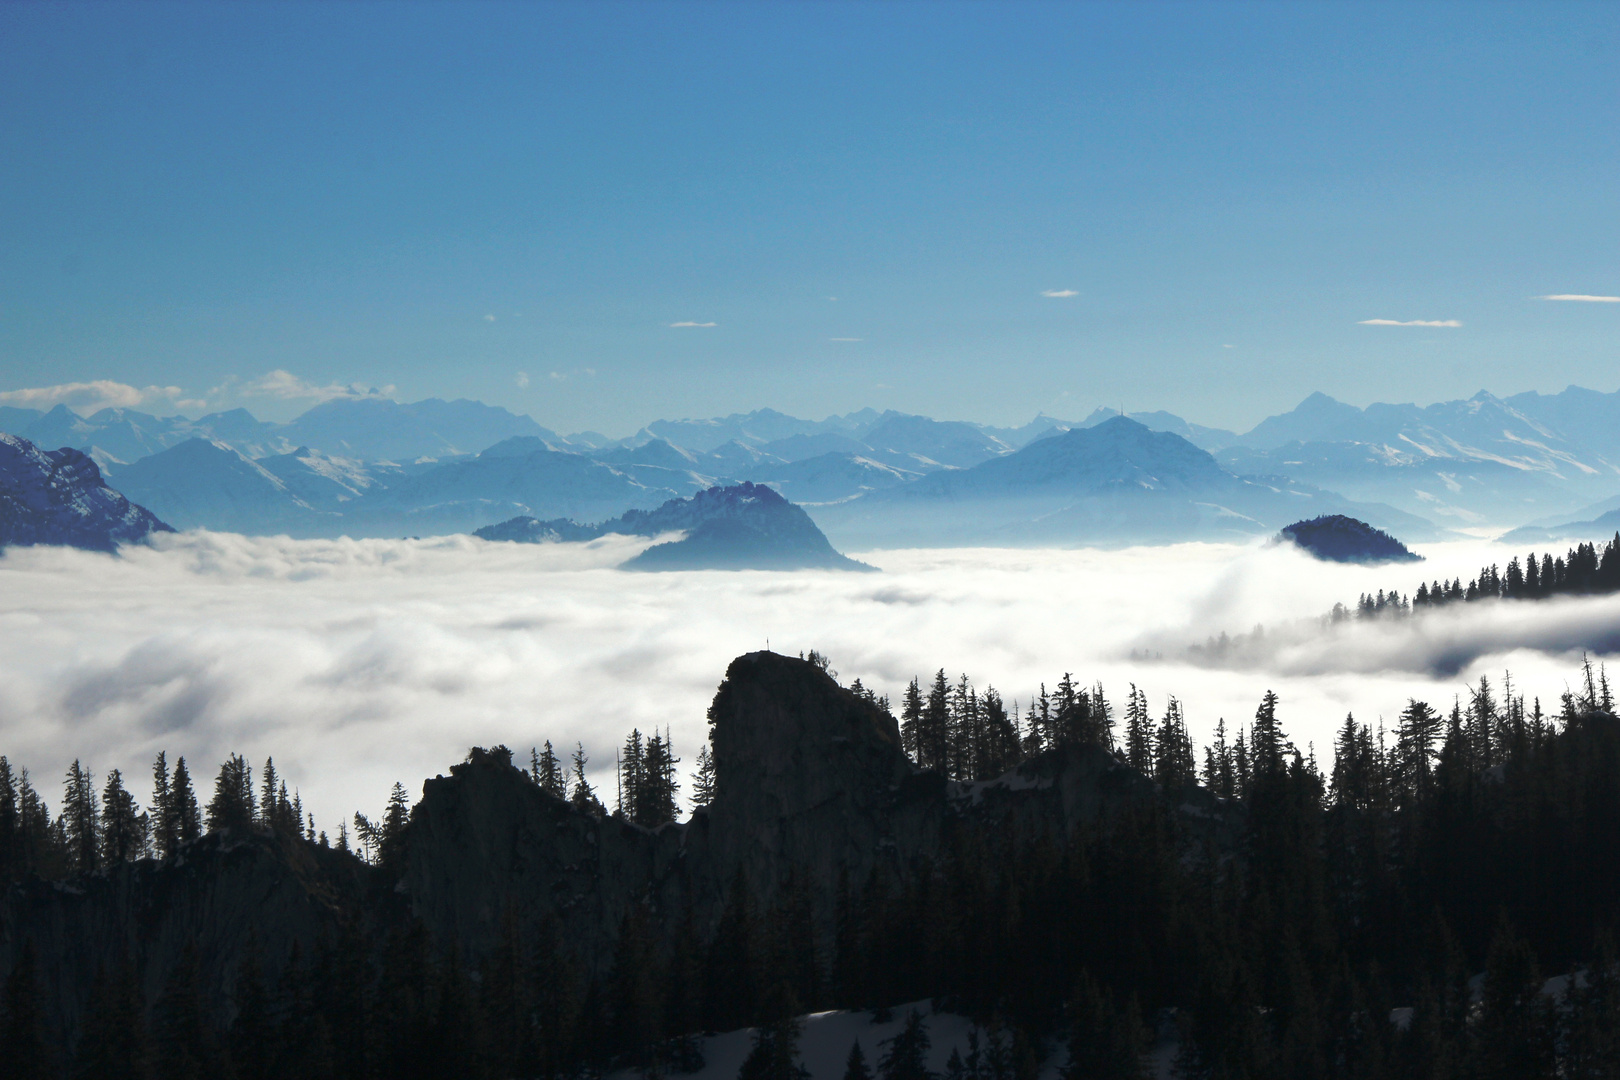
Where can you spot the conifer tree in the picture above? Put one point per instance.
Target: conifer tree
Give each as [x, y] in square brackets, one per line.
[547, 771]
[10, 824]
[267, 794]
[583, 797]
[774, 1054]
[911, 721]
[165, 825]
[183, 804]
[933, 738]
[123, 838]
[703, 779]
[232, 804]
[1138, 733]
[80, 817]
[391, 831]
[905, 1056]
[855, 1067]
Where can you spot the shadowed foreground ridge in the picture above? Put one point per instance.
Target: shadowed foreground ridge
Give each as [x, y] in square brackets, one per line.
[1075, 901]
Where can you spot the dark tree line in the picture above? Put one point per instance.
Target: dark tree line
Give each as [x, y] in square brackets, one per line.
[1396, 916]
[1585, 570]
[96, 830]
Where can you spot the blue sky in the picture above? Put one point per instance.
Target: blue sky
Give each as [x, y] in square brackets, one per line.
[868, 202]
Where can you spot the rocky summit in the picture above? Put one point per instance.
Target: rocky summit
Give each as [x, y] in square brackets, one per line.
[744, 526]
[59, 497]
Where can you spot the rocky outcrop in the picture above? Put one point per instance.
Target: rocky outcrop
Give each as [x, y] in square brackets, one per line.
[59, 497]
[812, 785]
[742, 527]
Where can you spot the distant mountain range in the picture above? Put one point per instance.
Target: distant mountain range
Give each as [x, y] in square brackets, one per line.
[374, 467]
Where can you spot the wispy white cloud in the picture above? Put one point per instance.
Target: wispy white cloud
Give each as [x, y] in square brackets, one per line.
[283, 385]
[1060, 293]
[1582, 298]
[679, 325]
[1410, 322]
[846, 339]
[88, 397]
[522, 380]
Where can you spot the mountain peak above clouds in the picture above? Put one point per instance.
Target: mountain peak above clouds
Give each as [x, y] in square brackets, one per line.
[59, 497]
[738, 527]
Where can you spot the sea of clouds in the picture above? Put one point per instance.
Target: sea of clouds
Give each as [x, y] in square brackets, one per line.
[358, 663]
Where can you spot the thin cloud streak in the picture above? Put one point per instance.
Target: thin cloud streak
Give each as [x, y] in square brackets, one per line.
[681, 325]
[1059, 293]
[1582, 298]
[1409, 322]
[283, 385]
[90, 397]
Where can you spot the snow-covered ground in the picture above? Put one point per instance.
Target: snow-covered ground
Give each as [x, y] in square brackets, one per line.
[825, 1039]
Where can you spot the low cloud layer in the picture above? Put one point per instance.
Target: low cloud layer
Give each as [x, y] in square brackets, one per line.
[361, 662]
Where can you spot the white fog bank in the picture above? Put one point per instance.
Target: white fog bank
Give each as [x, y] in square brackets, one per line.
[358, 663]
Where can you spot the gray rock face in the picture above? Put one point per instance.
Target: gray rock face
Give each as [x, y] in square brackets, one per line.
[58, 497]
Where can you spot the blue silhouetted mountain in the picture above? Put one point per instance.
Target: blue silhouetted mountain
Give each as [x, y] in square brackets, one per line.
[1117, 482]
[742, 527]
[1337, 538]
[59, 497]
[204, 484]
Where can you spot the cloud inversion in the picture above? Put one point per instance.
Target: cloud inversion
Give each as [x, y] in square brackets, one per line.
[358, 663]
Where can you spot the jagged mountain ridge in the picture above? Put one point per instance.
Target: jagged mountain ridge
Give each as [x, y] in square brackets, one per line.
[1475, 462]
[59, 497]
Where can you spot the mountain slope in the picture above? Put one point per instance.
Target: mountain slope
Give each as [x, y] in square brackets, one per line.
[742, 527]
[59, 497]
[204, 484]
[1117, 482]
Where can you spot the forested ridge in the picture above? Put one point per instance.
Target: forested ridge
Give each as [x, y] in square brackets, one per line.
[1585, 570]
[1395, 913]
